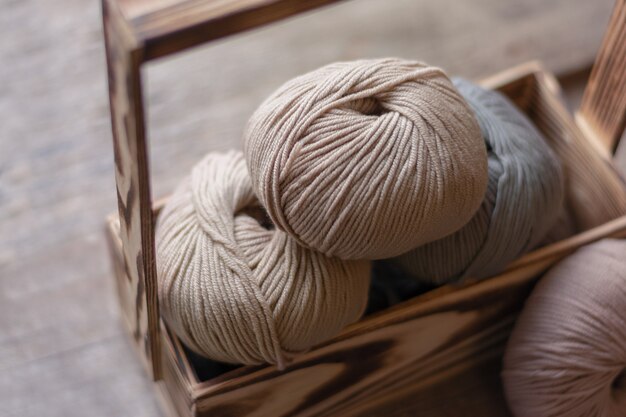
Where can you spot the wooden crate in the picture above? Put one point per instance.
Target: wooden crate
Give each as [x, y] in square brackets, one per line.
[438, 353]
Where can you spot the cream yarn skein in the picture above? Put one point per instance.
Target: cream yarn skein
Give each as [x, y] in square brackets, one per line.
[566, 356]
[523, 201]
[236, 291]
[367, 159]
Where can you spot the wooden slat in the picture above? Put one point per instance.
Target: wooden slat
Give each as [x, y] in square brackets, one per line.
[596, 193]
[403, 363]
[168, 26]
[133, 188]
[602, 112]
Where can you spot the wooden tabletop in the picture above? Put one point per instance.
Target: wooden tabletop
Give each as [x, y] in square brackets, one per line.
[62, 349]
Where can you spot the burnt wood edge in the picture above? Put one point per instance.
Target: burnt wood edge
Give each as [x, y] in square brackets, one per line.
[602, 113]
[124, 57]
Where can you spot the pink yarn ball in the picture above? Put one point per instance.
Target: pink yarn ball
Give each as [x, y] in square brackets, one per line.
[567, 354]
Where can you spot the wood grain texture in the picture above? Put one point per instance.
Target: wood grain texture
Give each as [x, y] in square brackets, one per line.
[63, 351]
[370, 373]
[138, 293]
[603, 109]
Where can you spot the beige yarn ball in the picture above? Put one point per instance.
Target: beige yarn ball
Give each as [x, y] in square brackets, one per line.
[237, 290]
[567, 354]
[367, 159]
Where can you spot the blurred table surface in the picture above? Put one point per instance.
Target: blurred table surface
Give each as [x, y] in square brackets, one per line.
[63, 351]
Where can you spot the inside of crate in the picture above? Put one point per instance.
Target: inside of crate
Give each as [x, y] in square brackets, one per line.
[537, 95]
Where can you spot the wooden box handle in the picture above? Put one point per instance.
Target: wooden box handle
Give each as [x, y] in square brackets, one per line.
[128, 47]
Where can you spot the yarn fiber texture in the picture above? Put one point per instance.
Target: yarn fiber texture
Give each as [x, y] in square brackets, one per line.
[567, 354]
[524, 197]
[237, 290]
[367, 159]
